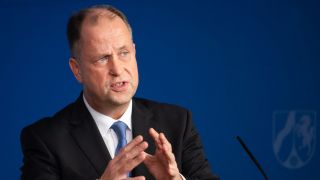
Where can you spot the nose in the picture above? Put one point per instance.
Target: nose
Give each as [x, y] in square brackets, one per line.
[116, 66]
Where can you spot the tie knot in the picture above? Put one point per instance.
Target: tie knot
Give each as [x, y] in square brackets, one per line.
[119, 128]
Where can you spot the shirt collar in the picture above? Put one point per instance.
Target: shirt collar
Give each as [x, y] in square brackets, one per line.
[106, 121]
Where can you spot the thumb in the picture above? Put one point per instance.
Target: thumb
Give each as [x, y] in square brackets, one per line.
[148, 160]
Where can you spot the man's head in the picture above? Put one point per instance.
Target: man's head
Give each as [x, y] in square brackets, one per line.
[76, 21]
[103, 56]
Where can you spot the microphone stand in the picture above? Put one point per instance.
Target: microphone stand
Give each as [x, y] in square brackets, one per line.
[252, 157]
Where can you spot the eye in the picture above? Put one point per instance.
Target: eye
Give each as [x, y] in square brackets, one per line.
[103, 59]
[124, 53]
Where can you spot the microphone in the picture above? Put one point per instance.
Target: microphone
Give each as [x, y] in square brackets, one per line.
[252, 157]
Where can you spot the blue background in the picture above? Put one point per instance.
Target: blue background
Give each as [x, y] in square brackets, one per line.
[233, 63]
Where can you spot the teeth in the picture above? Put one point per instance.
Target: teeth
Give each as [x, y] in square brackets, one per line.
[119, 84]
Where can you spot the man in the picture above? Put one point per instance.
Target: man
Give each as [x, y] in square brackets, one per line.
[106, 133]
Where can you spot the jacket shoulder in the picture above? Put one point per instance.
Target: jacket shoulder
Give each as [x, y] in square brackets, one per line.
[166, 113]
[158, 106]
[51, 123]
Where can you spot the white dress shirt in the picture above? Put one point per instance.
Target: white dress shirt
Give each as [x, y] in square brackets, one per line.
[105, 122]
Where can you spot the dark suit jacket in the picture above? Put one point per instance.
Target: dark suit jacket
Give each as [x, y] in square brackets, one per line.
[69, 145]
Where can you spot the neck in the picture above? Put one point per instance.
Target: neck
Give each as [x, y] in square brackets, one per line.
[115, 111]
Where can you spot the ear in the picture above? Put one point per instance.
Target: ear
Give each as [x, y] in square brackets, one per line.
[134, 47]
[75, 68]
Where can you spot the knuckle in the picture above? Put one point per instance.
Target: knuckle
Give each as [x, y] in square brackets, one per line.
[173, 158]
[126, 156]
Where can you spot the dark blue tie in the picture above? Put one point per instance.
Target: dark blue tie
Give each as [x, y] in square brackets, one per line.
[119, 128]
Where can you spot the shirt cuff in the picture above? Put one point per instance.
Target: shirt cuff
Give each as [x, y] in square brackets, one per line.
[183, 178]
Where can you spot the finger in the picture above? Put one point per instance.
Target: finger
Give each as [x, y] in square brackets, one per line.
[167, 149]
[133, 153]
[137, 178]
[128, 165]
[165, 143]
[135, 142]
[170, 157]
[129, 160]
[149, 159]
[148, 156]
[155, 135]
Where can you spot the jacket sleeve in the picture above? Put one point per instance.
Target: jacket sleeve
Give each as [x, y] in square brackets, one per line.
[194, 163]
[38, 162]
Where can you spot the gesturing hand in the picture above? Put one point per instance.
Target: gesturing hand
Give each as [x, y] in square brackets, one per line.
[128, 158]
[162, 165]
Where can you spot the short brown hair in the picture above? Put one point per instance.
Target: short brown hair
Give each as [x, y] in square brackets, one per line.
[76, 20]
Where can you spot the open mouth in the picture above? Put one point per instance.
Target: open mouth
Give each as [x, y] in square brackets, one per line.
[119, 86]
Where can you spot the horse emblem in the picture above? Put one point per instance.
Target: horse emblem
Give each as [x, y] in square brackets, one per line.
[294, 137]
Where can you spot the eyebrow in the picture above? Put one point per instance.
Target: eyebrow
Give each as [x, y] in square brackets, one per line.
[122, 47]
[108, 53]
[95, 57]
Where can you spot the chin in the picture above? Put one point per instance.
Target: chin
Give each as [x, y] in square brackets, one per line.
[118, 101]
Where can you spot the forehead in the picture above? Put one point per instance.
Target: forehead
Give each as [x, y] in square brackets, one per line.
[93, 16]
[104, 26]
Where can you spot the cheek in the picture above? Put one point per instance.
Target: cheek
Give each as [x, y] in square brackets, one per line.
[95, 77]
[134, 66]
[134, 71]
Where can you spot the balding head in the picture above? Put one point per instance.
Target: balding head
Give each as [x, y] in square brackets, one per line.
[91, 16]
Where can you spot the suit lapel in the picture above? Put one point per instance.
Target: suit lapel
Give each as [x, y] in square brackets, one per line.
[87, 136]
[142, 120]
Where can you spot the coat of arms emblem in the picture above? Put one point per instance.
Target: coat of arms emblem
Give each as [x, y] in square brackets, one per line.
[294, 137]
